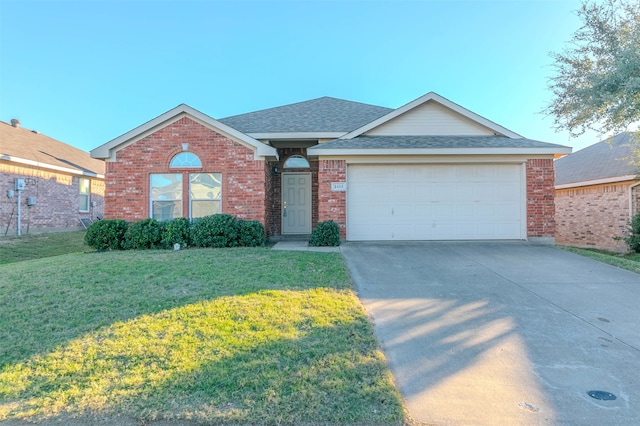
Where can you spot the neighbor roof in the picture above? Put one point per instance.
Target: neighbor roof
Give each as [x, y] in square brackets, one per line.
[324, 114]
[34, 149]
[607, 159]
[439, 144]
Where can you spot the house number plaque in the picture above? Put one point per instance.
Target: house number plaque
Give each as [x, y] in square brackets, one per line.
[338, 186]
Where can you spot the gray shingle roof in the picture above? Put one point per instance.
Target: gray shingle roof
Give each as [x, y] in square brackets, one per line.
[432, 142]
[605, 159]
[28, 145]
[317, 115]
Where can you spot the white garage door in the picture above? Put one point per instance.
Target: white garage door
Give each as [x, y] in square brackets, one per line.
[435, 202]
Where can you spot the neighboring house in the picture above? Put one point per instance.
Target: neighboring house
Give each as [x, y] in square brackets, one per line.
[597, 194]
[430, 170]
[60, 184]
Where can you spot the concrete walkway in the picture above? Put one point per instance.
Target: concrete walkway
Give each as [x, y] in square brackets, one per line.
[302, 245]
[503, 333]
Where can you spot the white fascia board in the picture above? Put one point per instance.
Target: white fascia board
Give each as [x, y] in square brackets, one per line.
[440, 151]
[432, 96]
[50, 166]
[614, 179]
[296, 135]
[108, 150]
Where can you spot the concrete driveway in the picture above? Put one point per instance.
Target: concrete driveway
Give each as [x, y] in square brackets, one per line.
[489, 333]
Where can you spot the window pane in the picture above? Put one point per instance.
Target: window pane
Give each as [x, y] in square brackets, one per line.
[166, 187]
[84, 185]
[296, 161]
[84, 191]
[83, 203]
[205, 186]
[204, 208]
[185, 159]
[166, 210]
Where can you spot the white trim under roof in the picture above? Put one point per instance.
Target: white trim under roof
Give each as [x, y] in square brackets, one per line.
[432, 96]
[597, 181]
[296, 135]
[439, 151]
[50, 166]
[108, 150]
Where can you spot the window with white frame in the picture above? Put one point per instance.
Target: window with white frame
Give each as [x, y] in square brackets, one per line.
[185, 160]
[84, 194]
[166, 196]
[205, 194]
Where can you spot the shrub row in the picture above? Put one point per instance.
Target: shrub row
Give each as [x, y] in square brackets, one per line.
[219, 230]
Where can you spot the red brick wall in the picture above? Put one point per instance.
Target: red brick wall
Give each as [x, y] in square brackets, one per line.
[593, 216]
[243, 178]
[332, 205]
[540, 198]
[57, 196]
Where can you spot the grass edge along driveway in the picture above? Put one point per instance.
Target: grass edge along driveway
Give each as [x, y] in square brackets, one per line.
[228, 336]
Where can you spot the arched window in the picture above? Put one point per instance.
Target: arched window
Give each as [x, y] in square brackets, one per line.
[296, 162]
[185, 160]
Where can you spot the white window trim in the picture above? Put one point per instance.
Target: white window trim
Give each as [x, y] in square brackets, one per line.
[80, 194]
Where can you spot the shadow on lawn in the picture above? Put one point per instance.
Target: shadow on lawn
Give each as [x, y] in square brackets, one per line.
[257, 366]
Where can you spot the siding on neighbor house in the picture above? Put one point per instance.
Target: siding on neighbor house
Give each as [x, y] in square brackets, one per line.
[57, 200]
[595, 216]
[244, 179]
[430, 119]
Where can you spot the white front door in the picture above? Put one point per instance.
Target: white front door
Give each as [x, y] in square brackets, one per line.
[296, 203]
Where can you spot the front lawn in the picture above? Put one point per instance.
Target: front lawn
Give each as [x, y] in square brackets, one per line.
[224, 336]
[36, 246]
[630, 262]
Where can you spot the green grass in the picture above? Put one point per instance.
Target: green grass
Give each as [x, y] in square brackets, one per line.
[26, 247]
[224, 336]
[630, 262]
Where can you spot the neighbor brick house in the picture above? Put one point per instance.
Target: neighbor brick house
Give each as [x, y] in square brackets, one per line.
[597, 192]
[429, 170]
[62, 184]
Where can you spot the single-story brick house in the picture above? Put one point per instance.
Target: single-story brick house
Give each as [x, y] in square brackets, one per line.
[429, 170]
[60, 184]
[597, 192]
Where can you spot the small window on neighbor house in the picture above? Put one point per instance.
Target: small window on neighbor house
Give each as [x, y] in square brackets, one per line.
[185, 160]
[84, 194]
[296, 162]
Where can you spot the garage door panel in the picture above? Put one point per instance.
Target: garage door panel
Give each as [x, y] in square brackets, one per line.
[434, 202]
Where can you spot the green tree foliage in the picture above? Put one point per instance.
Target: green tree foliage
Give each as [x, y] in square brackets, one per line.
[596, 85]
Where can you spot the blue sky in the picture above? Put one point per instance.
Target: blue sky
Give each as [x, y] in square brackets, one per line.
[85, 72]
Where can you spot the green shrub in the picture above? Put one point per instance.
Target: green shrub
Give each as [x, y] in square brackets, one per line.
[633, 239]
[106, 234]
[325, 234]
[176, 231]
[218, 230]
[144, 234]
[250, 233]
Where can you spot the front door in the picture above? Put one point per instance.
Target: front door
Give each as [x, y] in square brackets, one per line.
[296, 203]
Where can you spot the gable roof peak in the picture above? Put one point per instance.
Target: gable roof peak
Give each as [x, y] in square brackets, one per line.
[434, 97]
